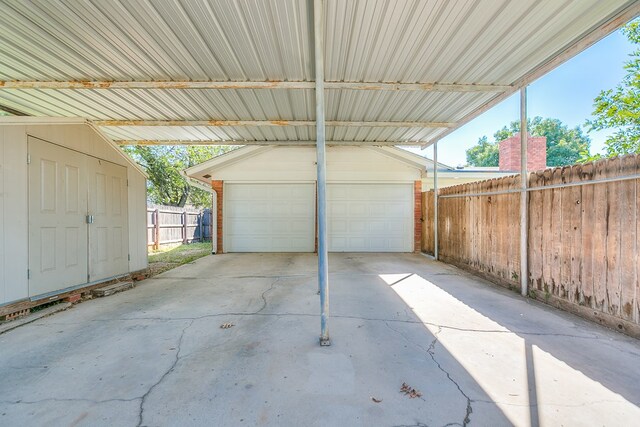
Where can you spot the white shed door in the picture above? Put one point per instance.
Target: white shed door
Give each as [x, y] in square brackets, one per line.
[108, 234]
[269, 217]
[370, 217]
[57, 209]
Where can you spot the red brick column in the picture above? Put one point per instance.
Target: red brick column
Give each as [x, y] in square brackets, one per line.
[417, 216]
[217, 187]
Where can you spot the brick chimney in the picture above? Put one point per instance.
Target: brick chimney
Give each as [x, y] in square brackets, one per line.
[509, 158]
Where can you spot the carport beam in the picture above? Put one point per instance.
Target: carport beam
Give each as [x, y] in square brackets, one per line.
[524, 195]
[323, 261]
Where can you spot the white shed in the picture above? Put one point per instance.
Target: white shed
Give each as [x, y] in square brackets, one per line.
[72, 209]
[266, 198]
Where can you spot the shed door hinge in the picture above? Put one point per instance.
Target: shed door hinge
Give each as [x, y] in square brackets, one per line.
[28, 274]
[28, 159]
[129, 257]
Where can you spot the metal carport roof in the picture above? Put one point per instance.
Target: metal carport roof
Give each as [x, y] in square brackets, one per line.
[397, 72]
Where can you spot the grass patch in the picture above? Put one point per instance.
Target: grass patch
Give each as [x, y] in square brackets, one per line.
[171, 257]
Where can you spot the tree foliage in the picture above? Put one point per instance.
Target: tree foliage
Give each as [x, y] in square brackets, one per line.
[564, 145]
[619, 108]
[164, 164]
[483, 154]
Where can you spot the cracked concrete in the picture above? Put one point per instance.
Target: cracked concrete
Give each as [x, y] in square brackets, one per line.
[156, 355]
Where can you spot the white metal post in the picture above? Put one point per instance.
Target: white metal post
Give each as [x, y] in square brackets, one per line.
[435, 200]
[524, 195]
[323, 260]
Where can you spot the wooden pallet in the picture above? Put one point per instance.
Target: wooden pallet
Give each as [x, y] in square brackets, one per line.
[11, 309]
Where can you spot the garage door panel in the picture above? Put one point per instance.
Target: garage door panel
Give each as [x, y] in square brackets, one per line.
[337, 209]
[359, 227]
[395, 210]
[242, 227]
[303, 209]
[269, 217]
[302, 226]
[378, 227]
[370, 217]
[357, 209]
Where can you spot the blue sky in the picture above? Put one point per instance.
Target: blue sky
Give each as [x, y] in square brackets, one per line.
[566, 93]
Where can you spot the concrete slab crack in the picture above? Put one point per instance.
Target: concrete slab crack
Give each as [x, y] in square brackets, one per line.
[264, 296]
[65, 400]
[431, 352]
[143, 398]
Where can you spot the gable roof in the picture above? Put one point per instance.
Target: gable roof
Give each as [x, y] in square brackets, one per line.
[244, 153]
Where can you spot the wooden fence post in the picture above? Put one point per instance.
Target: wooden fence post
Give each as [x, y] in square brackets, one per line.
[184, 226]
[156, 229]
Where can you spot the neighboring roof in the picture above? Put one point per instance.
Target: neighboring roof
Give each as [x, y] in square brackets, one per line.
[60, 121]
[457, 58]
[240, 154]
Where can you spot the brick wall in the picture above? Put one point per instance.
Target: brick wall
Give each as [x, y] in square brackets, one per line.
[217, 187]
[417, 215]
[509, 159]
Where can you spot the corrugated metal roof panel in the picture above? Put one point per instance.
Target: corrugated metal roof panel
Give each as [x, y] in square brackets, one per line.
[465, 42]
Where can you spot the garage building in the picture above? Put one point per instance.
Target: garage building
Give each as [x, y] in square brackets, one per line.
[266, 198]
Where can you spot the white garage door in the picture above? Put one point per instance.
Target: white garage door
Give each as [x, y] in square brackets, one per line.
[269, 217]
[370, 217]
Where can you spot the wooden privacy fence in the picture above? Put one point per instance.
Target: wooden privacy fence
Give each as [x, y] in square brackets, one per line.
[583, 245]
[170, 224]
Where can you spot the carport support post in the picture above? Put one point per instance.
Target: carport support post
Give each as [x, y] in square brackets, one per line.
[323, 261]
[524, 195]
[435, 200]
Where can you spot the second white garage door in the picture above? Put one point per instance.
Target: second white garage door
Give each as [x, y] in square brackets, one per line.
[370, 217]
[274, 217]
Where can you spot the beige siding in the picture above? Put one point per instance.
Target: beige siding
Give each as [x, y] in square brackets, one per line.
[137, 220]
[299, 164]
[13, 214]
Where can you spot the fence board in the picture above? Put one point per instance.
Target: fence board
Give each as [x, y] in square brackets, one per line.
[613, 239]
[575, 231]
[600, 230]
[564, 239]
[588, 219]
[628, 238]
[556, 233]
[535, 233]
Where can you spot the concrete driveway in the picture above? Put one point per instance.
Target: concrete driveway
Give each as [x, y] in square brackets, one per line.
[156, 355]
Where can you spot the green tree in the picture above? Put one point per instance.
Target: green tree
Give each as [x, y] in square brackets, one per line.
[484, 153]
[565, 146]
[164, 164]
[619, 108]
